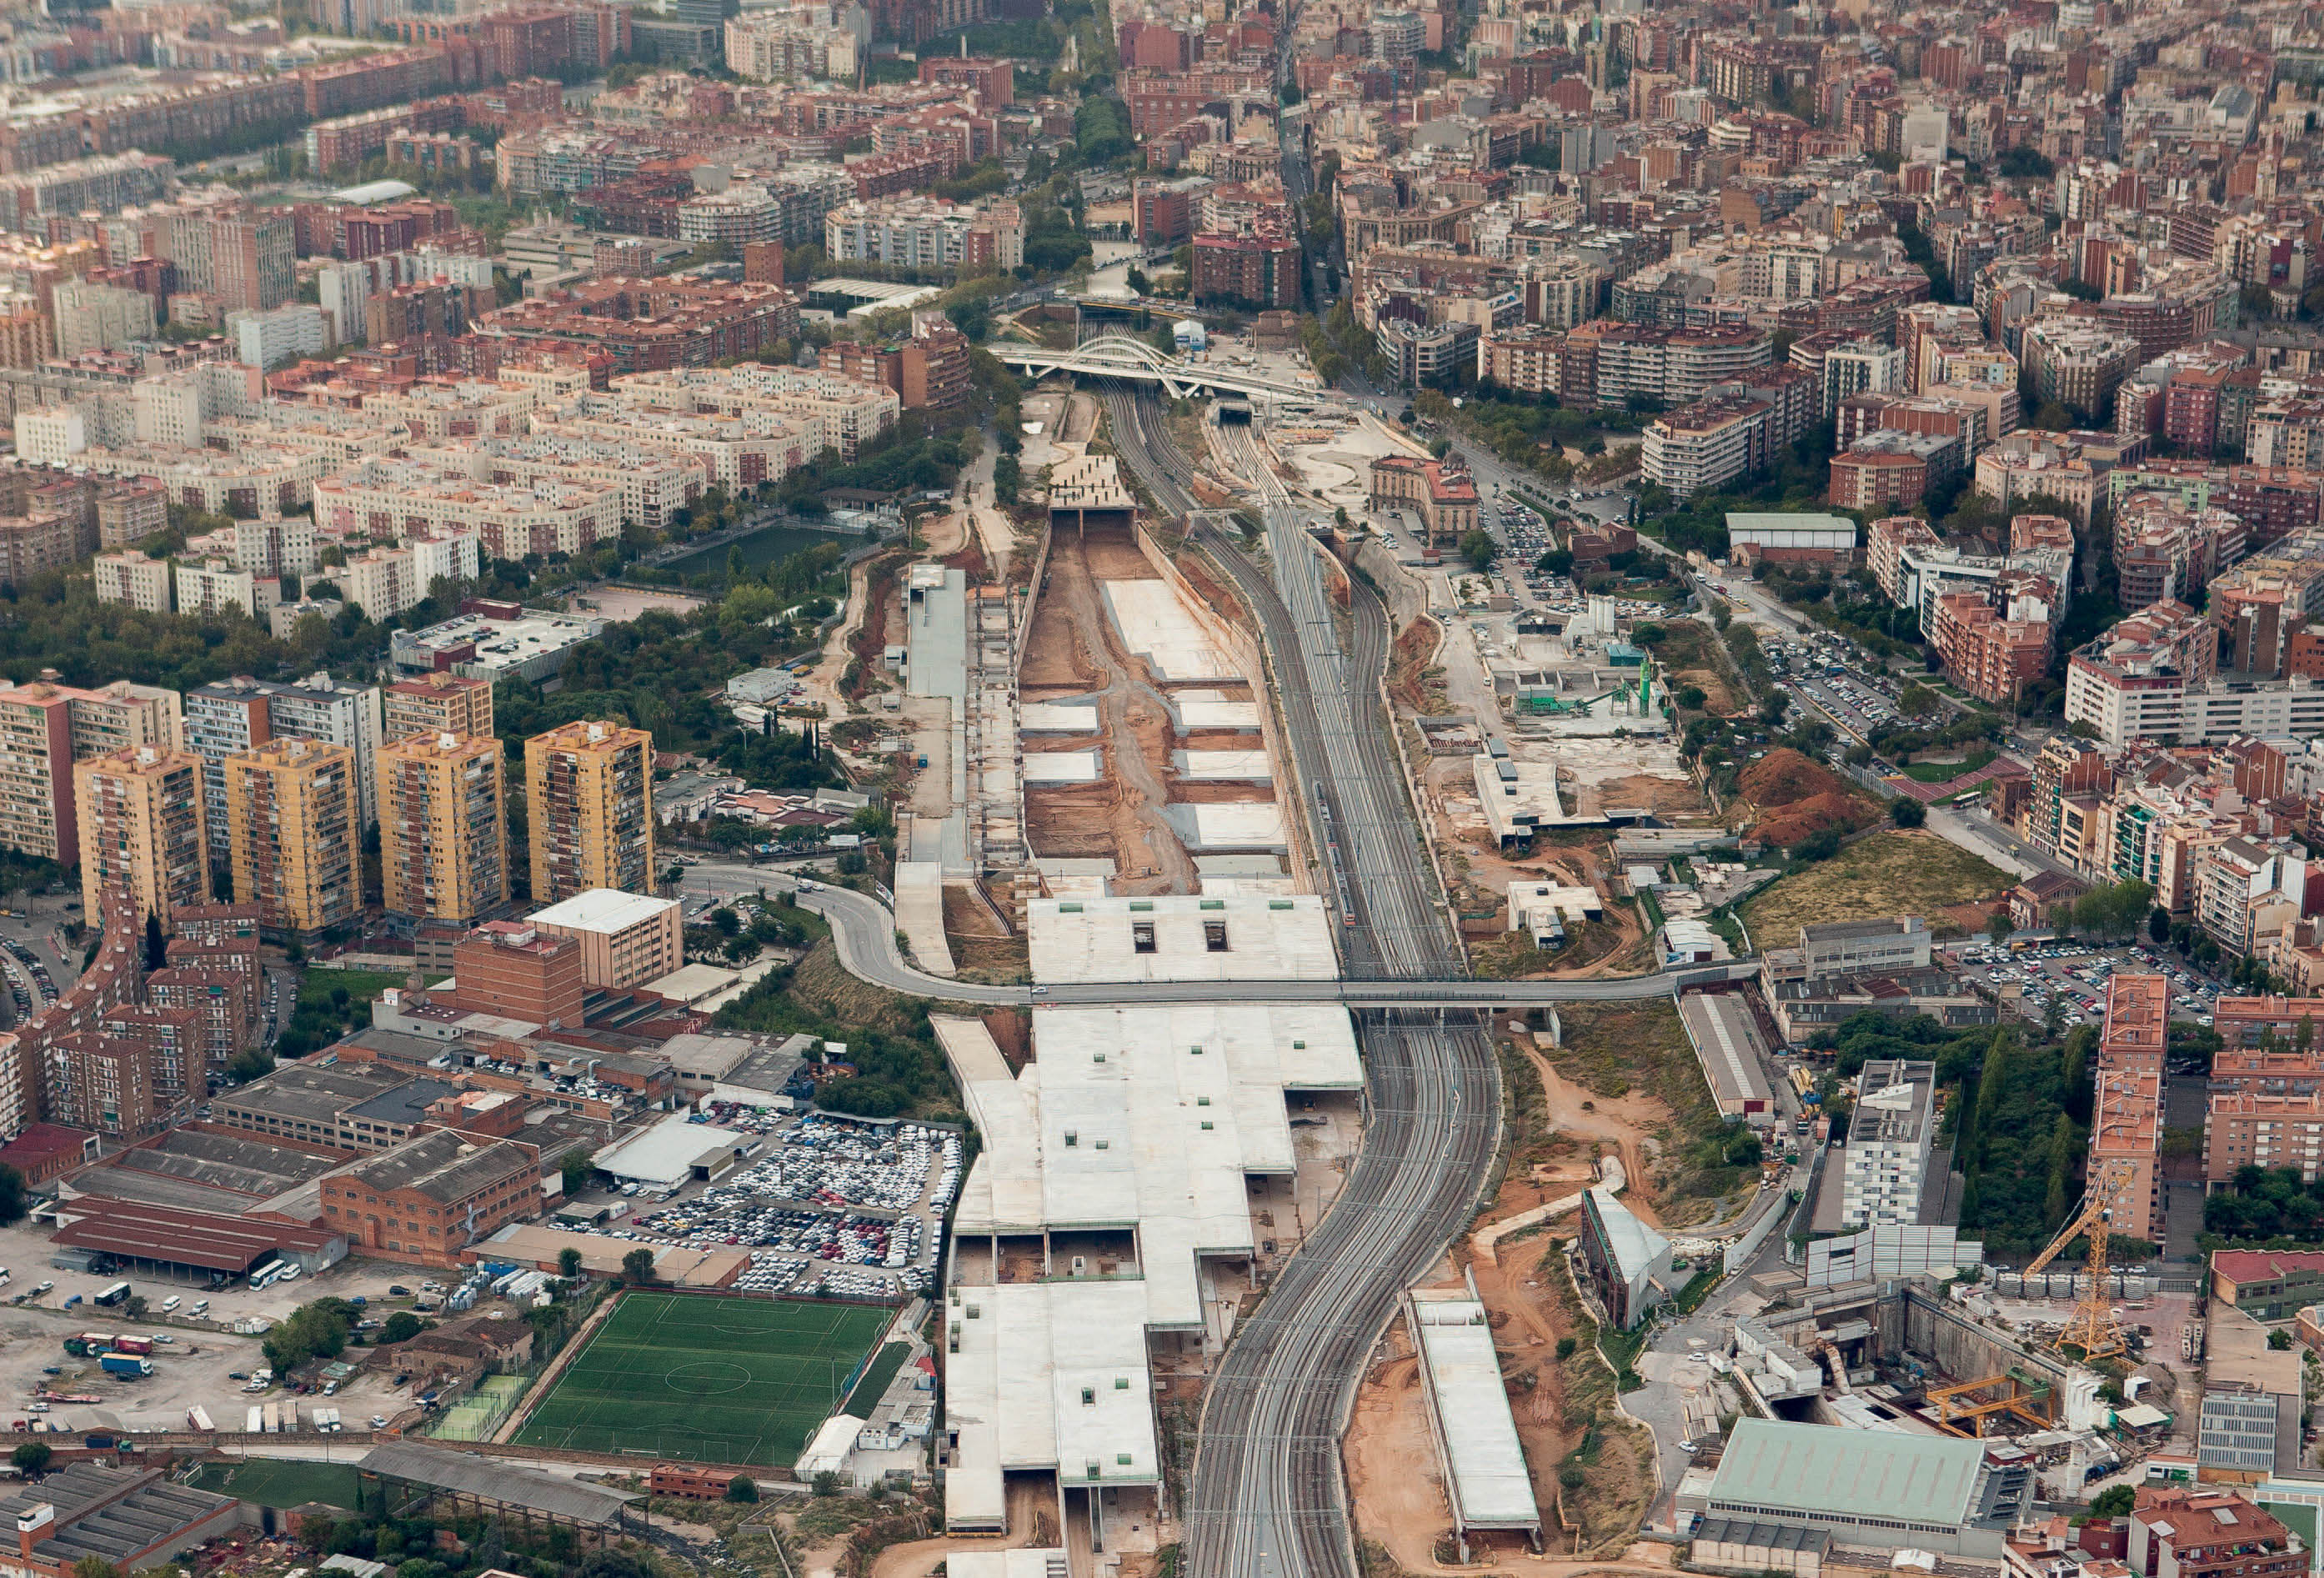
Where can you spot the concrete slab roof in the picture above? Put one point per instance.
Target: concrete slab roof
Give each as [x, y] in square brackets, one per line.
[1051, 717]
[1061, 767]
[1485, 1461]
[1047, 1376]
[1234, 824]
[1151, 1117]
[1168, 937]
[1240, 766]
[1157, 627]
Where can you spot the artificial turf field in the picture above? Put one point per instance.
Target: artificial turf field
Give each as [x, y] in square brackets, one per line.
[722, 1380]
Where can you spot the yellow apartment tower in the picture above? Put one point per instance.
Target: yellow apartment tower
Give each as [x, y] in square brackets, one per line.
[143, 825]
[589, 792]
[293, 813]
[443, 827]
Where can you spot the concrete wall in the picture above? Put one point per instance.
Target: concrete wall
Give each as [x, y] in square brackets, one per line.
[1931, 1328]
[1406, 593]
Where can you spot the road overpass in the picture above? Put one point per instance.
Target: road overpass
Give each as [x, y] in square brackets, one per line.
[1119, 357]
[863, 932]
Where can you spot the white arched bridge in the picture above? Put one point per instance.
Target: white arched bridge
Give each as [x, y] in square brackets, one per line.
[1120, 356]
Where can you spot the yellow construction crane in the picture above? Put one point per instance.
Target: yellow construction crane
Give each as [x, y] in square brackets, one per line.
[1975, 1404]
[2092, 1329]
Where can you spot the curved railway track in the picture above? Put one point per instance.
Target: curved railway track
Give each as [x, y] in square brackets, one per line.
[1268, 1497]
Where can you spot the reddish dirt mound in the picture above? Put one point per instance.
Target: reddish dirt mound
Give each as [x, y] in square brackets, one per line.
[1782, 776]
[1796, 798]
[1803, 819]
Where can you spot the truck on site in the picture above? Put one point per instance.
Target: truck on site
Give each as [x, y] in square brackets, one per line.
[128, 1366]
[198, 1418]
[132, 1345]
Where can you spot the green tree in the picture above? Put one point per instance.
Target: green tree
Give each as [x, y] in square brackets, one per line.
[576, 1166]
[1997, 927]
[826, 1482]
[1918, 701]
[741, 1487]
[2158, 926]
[400, 1327]
[33, 1458]
[12, 1194]
[1907, 812]
[95, 1567]
[568, 1263]
[2114, 1501]
[638, 1267]
[1478, 547]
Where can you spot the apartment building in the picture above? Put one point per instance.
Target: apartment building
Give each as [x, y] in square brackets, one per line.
[1525, 358]
[437, 703]
[130, 576]
[104, 1084]
[1986, 653]
[1674, 366]
[925, 232]
[1706, 445]
[589, 794]
[387, 581]
[142, 826]
[426, 498]
[443, 827]
[2132, 682]
[235, 715]
[294, 834]
[2077, 363]
[839, 414]
[215, 587]
[1888, 1140]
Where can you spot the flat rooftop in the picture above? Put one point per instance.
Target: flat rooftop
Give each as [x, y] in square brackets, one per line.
[1485, 1464]
[1049, 1375]
[1169, 938]
[604, 910]
[1146, 1117]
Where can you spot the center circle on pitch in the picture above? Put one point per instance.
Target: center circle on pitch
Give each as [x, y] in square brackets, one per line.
[709, 1377]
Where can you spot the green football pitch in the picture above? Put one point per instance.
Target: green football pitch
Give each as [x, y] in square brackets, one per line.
[723, 1380]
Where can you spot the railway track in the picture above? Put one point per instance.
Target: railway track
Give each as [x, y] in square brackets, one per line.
[1269, 1495]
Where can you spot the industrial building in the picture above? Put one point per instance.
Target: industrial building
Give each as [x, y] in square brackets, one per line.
[1876, 1488]
[1116, 1185]
[1733, 1053]
[1629, 1262]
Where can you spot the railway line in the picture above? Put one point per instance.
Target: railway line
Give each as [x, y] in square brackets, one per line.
[1269, 1496]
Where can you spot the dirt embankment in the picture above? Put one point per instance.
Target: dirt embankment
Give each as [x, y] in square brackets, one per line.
[1793, 799]
[1408, 668]
[1212, 590]
[1557, 1403]
[1072, 651]
[867, 650]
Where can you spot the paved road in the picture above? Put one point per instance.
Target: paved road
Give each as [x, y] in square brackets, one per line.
[864, 930]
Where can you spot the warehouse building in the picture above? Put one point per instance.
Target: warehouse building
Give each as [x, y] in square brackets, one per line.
[1872, 1488]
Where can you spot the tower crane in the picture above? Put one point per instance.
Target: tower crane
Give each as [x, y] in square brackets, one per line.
[2092, 1328]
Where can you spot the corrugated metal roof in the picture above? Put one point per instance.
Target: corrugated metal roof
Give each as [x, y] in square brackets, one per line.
[1819, 1468]
[511, 1487]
